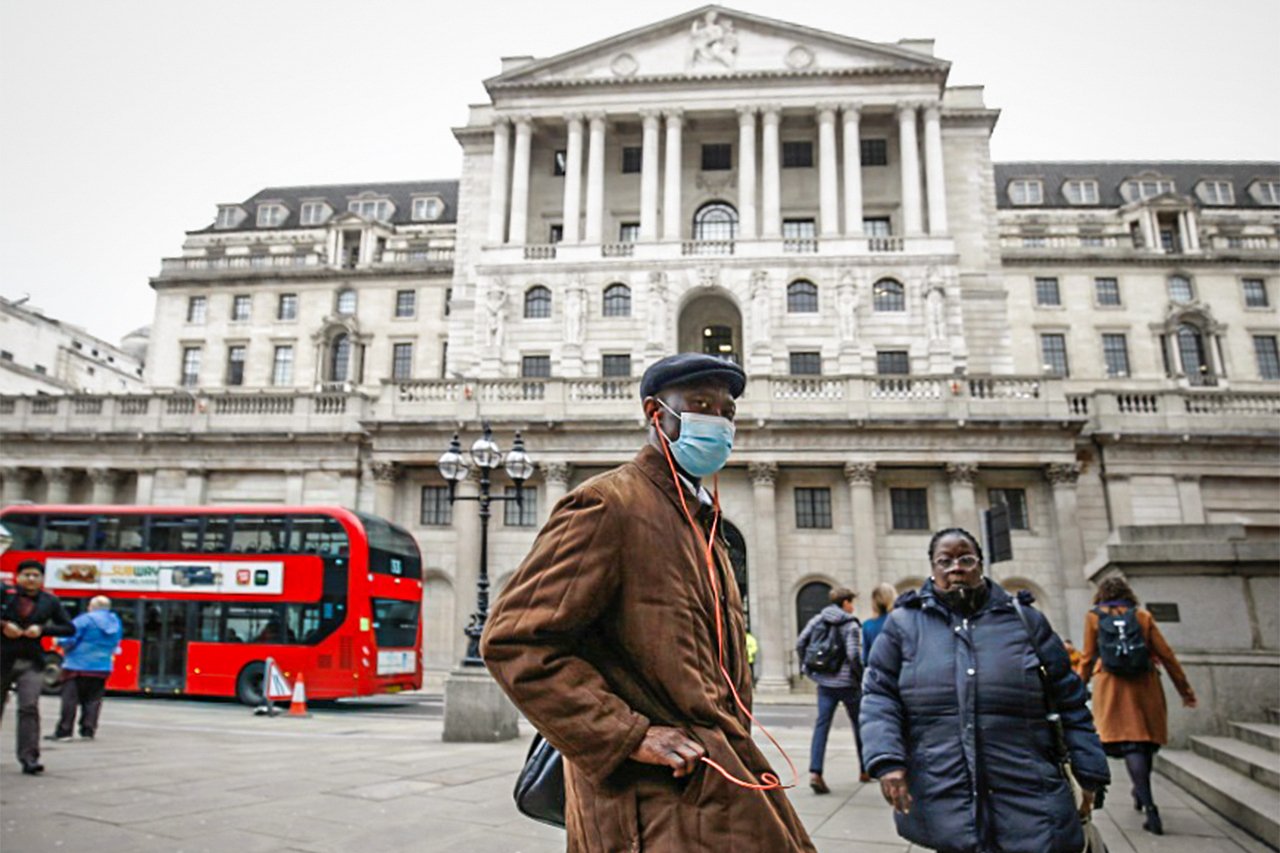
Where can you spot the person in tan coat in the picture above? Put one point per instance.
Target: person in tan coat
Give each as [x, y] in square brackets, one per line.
[612, 635]
[1130, 710]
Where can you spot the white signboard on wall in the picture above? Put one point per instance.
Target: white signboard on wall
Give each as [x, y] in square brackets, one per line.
[258, 577]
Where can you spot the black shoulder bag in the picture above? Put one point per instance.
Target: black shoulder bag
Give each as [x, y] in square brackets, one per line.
[539, 792]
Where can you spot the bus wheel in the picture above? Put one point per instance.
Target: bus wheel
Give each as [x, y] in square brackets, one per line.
[249, 684]
[52, 675]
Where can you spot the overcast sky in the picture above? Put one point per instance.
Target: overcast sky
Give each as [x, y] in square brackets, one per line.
[123, 123]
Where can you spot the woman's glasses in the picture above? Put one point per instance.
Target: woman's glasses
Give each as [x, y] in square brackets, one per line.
[964, 561]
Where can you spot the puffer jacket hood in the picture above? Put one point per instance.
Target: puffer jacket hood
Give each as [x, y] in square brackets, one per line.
[94, 643]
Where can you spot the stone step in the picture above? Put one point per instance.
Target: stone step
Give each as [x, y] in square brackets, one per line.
[1273, 715]
[1261, 765]
[1265, 735]
[1246, 803]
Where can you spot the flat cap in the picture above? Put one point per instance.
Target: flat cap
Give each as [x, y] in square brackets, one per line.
[688, 367]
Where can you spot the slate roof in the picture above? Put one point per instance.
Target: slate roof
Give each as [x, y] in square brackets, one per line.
[400, 193]
[1110, 175]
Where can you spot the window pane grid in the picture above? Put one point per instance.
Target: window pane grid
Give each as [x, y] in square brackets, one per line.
[523, 514]
[282, 366]
[1180, 288]
[806, 364]
[436, 509]
[1115, 352]
[537, 303]
[1107, 291]
[615, 365]
[893, 363]
[406, 303]
[235, 365]
[889, 295]
[402, 361]
[288, 307]
[1255, 293]
[717, 157]
[631, 159]
[797, 155]
[1265, 347]
[802, 297]
[875, 152]
[1047, 292]
[1016, 501]
[1053, 349]
[617, 301]
[910, 508]
[813, 508]
[535, 366]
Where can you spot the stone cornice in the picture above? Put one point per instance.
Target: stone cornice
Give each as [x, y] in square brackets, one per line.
[686, 80]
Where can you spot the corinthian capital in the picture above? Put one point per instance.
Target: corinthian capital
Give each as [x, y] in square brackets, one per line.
[860, 472]
[962, 472]
[763, 473]
[384, 471]
[1063, 474]
[557, 472]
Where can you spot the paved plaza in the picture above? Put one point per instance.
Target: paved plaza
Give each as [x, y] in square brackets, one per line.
[189, 776]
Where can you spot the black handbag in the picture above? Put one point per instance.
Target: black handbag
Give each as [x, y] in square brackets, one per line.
[539, 792]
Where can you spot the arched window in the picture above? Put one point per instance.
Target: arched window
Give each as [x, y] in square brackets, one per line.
[810, 600]
[617, 301]
[537, 302]
[346, 302]
[715, 220]
[340, 358]
[1191, 351]
[889, 295]
[802, 297]
[1180, 289]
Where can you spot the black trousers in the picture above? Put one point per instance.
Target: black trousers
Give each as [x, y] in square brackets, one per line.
[29, 680]
[84, 692]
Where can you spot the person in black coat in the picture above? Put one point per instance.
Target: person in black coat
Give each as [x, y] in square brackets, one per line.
[27, 614]
[954, 716]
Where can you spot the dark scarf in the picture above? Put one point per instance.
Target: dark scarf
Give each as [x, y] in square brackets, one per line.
[964, 600]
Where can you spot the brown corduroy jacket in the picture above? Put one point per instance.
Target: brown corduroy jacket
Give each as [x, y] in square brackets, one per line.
[608, 627]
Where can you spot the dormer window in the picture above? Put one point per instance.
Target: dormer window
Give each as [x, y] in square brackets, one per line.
[1081, 191]
[230, 215]
[1026, 191]
[427, 209]
[1144, 188]
[1265, 192]
[315, 213]
[1216, 192]
[376, 209]
[272, 215]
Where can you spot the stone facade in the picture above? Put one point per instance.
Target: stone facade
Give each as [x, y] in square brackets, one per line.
[820, 208]
[41, 355]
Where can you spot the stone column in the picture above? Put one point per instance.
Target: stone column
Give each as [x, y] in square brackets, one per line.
[672, 211]
[828, 178]
[595, 179]
[294, 488]
[771, 174]
[197, 486]
[935, 180]
[766, 581]
[557, 476]
[466, 526]
[852, 171]
[498, 185]
[1149, 235]
[1071, 557]
[866, 566]
[104, 485]
[649, 176]
[385, 476]
[747, 173]
[573, 180]
[1193, 230]
[1120, 500]
[13, 484]
[518, 233]
[1190, 499]
[910, 167]
[144, 490]
[964, 505]
[57, 485]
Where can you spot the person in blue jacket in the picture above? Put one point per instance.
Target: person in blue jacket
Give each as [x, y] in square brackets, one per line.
[954, 716]
[86, 668]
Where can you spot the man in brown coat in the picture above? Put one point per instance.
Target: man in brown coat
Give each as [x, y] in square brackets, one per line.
[606, 639]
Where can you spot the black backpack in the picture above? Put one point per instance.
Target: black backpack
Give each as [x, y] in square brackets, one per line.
[825, 652]
[1121, 645]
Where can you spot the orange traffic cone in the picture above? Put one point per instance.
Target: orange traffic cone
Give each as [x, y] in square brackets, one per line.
[298, 707]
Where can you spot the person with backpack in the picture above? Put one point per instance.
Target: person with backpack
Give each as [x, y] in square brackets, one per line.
[830, 649]
[1123, 647]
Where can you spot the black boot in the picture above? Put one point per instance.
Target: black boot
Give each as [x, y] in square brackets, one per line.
[1137, 802]
[1152, 824]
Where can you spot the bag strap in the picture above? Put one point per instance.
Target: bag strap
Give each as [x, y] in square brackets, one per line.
[1041, 670]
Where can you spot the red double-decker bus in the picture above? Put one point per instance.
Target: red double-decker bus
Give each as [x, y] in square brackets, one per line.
[207, 594]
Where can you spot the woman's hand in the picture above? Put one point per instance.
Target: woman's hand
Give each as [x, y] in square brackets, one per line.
[893, 787]
[1086, 803]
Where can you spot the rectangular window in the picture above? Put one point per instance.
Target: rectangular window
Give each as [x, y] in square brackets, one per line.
[631, 159]
[375, 209]
[797, 155]
[559, 163]
[190, 366]
[271, 215]
[402, 361]
[806, 364]
[1115, 354]
[628, 232]
[426, 209]
[1255, 293]
[1264, 346]
[282, 366]
[799, 229]
[1053, 353]
[1026, 191]
[876, 226]
[174, 534]
[893, 363]
[235, 365]
[254, 623]
[66, 534]
[406, 303]
[1047, 292]
[287, 308]
[241, 305]
[717, 157]
[1106, 291]
[535, 367]
[1016, 501]
[436, 509]
[448, 297]
[314, 213]
[813, 509]
[524, 513]
[230, 216]
[910, 508]
[615, 365]
[555, 233]
[197, 309]
[1217, 192]
[257, 535]
[208, 621]
[1081, 192]
[875, 152]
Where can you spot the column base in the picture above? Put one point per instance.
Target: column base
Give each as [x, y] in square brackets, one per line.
[475, 708]
[771, 686]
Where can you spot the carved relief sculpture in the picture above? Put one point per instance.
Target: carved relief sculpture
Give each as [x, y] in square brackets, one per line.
[495, 306]
[657, 307]
[760, 310]
[574, 312]
[714, 41]
[935, 302]
[847, 306]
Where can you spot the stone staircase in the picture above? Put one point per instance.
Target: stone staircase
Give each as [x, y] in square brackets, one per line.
[1237, 776]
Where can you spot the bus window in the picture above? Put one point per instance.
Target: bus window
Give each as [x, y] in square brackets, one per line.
[208, 619]
[66, 533]
[217, 533]
[392, 551]
[128, 613]
[74, 606]
[174, 534]
[323, 536]
[395, 623]
[24, 530]
[258, 535]
[302, 623]
[120, 532]
[253, 623]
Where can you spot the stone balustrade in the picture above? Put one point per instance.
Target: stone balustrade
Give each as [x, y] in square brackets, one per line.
[672, 250]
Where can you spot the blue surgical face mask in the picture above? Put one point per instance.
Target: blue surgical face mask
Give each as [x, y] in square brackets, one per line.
[704, 444]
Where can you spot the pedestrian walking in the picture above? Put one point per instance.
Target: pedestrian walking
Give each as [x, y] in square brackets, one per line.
[882, 602]
[90, 652]
[954, 716]
[28, 613]
[621, 637]
[830, 650]
[1123, 650]
[753, 648]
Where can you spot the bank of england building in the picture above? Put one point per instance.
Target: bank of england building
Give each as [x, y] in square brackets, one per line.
[927, 334]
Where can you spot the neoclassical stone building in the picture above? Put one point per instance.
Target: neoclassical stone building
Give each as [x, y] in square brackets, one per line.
[926, 333]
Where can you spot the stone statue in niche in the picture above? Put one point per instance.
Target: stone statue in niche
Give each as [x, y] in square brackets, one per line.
[935, 304]
[574, 312]
[657, 307]
[495, 307]
[847, 306]
[760, 309]
[714, 41]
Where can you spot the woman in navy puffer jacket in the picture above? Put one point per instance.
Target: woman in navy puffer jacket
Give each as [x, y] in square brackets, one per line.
[953, 716]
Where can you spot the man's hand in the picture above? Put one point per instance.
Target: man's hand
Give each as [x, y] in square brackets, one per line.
[12, 631]
[669, 747]
[32, 631]
[1086, 803]
[893, 787]
[1190, 701]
